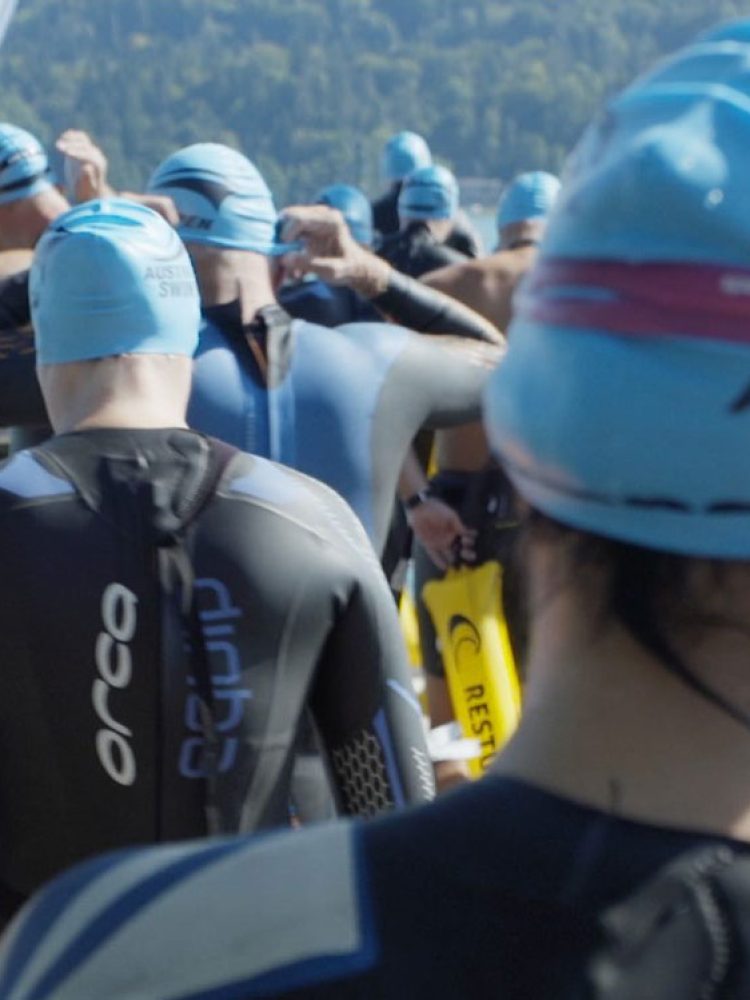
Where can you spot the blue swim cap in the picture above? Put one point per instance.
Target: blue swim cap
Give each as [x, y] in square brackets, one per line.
[404, 153]
[24, 169]
[623, 404]
[112, 277]
[353, 205]
[528, 196]
[429, 193]
[221, 197]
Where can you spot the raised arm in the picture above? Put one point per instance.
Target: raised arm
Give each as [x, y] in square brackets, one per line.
[332, 254]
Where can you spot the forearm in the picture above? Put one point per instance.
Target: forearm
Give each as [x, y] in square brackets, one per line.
[415, 305]
[412, 478]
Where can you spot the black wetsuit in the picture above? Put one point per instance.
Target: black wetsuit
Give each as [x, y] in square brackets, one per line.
[492, 891]
[463, 237]
[328, 305]
[21, 400]
[415, 251]
[114, 731]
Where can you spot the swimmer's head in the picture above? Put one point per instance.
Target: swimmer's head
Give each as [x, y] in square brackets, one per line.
[529, 196]
[622, 407]
[24, 168]
[353, 205]
[404, 153]
[222, 199]
[428, 193]
[111, 277]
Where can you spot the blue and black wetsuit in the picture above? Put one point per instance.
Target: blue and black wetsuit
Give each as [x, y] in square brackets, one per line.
[340, 404]
[328, 305]
[492, 891]
[116, 545]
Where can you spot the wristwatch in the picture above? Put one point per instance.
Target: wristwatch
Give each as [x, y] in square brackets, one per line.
[417, 498]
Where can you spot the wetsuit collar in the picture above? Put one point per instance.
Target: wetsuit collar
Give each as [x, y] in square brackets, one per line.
[269, 337]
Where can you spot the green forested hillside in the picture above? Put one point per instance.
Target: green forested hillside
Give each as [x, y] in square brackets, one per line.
[310, 88]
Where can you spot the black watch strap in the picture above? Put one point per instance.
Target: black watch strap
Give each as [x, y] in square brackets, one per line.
[417, 498]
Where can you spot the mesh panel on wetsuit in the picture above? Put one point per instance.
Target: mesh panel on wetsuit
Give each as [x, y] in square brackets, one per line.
[361, 770]
[425, 771]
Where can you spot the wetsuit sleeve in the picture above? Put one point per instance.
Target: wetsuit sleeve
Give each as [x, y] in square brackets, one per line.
[445, 378]
[368, 716]
[426, 310]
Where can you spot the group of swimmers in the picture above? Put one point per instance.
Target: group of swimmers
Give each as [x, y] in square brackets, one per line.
[195, 601]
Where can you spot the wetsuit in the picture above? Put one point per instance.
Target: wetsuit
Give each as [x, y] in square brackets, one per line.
[415, 251]
[328, 305]
[21, 400]
[463, 237]
[114, 730]
[492, 891]
[339, 404]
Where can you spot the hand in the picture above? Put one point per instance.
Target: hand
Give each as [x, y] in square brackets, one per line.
[330, 251]
[85, 166]
[441, 532]
[160, 203]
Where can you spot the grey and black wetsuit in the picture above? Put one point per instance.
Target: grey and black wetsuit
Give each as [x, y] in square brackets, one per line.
[117, 545]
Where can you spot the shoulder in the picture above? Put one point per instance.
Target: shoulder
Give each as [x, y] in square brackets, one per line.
[126, 918]
[304, 504]
[24, 477]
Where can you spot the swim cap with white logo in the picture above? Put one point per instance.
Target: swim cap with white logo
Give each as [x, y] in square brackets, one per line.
[112, 277]
[221, 197]
[623, 404]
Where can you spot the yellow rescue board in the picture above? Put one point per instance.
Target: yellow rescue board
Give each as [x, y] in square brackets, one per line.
[466, 608]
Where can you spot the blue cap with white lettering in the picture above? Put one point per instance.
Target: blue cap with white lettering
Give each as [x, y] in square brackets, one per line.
[221, 197]
[404, 153]
[112, 277]
[429, 193]
[24, 169]
[528, 196]
[353, 205]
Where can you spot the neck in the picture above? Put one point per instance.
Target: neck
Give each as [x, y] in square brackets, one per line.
[22, 222]
[226, 276]
[132, 391]
[606, 724]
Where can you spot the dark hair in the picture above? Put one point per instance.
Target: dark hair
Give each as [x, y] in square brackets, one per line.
[650, 593]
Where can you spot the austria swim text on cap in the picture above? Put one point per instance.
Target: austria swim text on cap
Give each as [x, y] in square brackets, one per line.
[623, 404]
[24, 169]
[112, 277]
[221, 198]
[429, 193]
